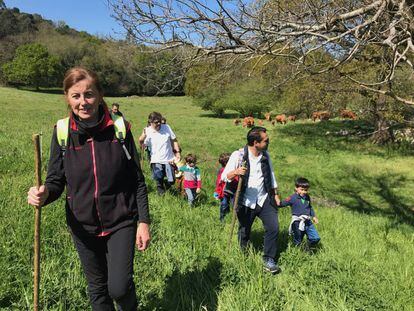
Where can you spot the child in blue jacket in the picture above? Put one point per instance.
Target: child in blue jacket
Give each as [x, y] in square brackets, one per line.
[302, 214]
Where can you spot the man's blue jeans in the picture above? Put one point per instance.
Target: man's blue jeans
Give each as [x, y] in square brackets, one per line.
[159, 173]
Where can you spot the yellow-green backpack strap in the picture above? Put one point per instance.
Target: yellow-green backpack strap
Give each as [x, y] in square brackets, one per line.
[62, 131]
[120, 132]
[119, 126]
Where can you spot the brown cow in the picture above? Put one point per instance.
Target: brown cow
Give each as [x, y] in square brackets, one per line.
[248, 122]
[315, 116]
[325, 115]
[321, 115]
[260, 122]
[268, 117]
[292, 118]
[281, 118]
[236, 122]
[348, 114]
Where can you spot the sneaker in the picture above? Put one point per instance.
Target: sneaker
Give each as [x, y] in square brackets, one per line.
[270, 265]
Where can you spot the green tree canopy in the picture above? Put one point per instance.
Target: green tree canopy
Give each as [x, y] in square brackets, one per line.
[32, 66]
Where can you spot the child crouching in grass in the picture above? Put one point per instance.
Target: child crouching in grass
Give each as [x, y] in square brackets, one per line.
[302, 214]
[192, 178]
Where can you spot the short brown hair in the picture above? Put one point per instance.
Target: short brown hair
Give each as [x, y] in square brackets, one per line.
[254, 134]
[190, 158]
[224, 158]
[154, 116]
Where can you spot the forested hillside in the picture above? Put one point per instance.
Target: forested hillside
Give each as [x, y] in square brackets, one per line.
[36, 52]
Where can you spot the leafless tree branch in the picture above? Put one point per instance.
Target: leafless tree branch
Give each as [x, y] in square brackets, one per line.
[294, 29]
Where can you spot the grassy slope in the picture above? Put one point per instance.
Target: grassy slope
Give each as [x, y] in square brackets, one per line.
[362, 193]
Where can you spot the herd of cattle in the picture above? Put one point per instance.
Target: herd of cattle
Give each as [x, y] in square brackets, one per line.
[283, 119]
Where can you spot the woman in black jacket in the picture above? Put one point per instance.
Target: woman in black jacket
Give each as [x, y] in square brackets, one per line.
[106, 196]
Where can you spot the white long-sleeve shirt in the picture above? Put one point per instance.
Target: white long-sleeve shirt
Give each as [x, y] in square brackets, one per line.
[255, 191]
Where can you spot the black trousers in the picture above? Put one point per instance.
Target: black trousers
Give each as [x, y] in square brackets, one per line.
[269, 217]
[107, 263]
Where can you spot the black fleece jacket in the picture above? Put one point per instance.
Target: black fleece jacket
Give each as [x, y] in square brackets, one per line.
[104, 190]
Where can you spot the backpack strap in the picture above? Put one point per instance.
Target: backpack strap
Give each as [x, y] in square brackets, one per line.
[120, 132]
[241, 157]
[62, 131]
[119, 126]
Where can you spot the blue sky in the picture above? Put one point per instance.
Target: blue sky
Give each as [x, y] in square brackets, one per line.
[92, 16]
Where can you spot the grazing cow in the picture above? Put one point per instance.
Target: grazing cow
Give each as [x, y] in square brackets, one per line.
[260, 122]
[248, 122]
[315, 115]
[281, 118]
[321, 115]
[268, 117]
[348, 114]
[292, 118]
[325, 115]
[236, 122]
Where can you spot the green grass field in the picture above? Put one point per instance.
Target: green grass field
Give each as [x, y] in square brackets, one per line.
[363, 196]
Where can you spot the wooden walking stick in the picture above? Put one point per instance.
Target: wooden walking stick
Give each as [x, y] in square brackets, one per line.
[236, 202]
[36, 277]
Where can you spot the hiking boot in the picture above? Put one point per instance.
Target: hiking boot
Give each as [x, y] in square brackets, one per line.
[270, 265]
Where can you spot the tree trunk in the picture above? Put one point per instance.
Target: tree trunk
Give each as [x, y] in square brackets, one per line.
[383, 133]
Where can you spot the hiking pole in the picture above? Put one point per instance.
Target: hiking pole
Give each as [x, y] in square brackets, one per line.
[236, 201]
[36, 277]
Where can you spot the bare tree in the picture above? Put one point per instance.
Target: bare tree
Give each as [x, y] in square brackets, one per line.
[295, 30]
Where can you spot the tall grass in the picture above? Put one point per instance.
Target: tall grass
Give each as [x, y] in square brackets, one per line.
[362, 195]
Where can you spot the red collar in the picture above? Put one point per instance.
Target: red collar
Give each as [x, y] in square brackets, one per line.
[107, 121]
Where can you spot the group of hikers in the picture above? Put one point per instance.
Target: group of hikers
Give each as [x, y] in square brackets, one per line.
[93, 155]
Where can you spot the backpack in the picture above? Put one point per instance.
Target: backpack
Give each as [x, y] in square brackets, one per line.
[62, 131]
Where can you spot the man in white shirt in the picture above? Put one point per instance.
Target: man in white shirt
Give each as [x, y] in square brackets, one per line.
[164, 147]
[258, 195]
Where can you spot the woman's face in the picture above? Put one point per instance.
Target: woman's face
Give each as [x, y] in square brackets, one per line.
[84, 99]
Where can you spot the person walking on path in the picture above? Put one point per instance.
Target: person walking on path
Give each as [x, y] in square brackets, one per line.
[162, 142]
[258, 196]
[192, 178]
[303, 215]
[106, 196]
[220, 192]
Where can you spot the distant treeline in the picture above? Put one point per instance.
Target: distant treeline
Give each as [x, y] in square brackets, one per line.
[36, 53]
